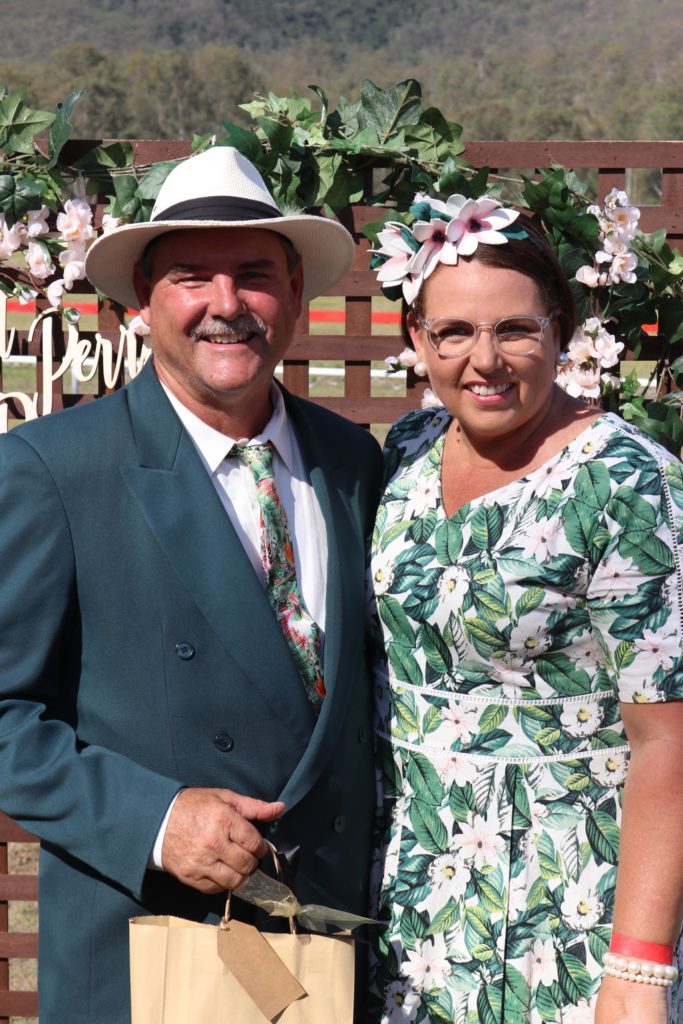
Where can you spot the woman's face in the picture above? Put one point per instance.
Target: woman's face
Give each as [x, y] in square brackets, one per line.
[524, 384]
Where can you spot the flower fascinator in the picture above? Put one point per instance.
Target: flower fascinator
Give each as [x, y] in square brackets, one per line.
[440, 232]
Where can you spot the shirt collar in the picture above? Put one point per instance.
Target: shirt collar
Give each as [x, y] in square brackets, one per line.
[214, 447]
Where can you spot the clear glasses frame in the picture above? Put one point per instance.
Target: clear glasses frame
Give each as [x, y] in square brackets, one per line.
[510, 343]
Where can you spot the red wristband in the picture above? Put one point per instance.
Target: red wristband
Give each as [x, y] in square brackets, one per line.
[654, 951]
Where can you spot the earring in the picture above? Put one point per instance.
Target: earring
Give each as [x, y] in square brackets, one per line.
[563, 359]
[420, 369]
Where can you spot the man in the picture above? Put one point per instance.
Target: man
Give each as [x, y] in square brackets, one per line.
[160, 706]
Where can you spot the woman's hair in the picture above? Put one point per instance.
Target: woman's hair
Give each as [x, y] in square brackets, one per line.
[531, 256]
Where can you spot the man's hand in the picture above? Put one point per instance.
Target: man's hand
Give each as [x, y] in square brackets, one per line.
[210, 842]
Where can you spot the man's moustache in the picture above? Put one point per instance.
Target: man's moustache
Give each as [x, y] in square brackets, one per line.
[238, 329]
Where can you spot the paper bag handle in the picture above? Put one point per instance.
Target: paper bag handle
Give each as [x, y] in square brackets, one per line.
[223, 923]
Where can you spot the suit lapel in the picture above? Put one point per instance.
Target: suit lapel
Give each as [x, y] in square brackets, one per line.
[182, 509]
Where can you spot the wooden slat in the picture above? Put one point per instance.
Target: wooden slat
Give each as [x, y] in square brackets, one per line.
[18, 944]
[18, 887]
[336, 346]
[371, 410]
[608, 154]
[18, 1004]
[10, 832]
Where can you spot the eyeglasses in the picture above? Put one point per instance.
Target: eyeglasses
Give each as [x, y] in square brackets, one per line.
[512, 335]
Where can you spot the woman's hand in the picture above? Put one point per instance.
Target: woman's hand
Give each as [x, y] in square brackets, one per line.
[630, 1002]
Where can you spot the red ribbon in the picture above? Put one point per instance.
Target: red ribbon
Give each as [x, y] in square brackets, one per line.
[654, 951]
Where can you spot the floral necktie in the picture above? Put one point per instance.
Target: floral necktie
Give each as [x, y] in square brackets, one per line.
[282, 587]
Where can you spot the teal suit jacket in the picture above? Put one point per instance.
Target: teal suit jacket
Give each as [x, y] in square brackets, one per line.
[138, 654]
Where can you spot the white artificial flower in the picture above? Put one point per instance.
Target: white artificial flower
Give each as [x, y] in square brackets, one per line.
[542, 539]
[423, 496]
[75, 223]
[625, 221]
[623, 268]
[454, 583]
[73, 261]
[581, 347]
[382, 573]
[551, 477]
[581, 719]
[614, 198]
[607, 349]
[37, 222]
[54, 291]
[591, 276]
[481, 842]
[656, 651]
[407, 357]
[448, 876]
[427, 966]
[391, 364]
[610, 770]
[38, 261]
[11, 239]
[401, 1002]
[138, 326]
[542, 963]
[579, 382]
[430, 400]
[109, 223]
[581, 907]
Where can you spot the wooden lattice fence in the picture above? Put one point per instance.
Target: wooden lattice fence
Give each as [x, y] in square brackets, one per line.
[356, 348]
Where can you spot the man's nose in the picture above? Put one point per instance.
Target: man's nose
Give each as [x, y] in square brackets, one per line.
[224, 299]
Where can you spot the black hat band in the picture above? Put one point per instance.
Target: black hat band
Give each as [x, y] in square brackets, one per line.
[228, 208]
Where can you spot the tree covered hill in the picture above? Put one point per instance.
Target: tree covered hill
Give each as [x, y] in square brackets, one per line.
[502, 68]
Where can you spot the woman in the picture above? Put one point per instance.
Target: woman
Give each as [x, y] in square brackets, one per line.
[527, 567]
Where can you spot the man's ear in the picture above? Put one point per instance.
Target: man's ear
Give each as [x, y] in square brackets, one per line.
[143, 290]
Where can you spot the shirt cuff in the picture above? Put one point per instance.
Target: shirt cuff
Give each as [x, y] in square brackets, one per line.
[155, 862]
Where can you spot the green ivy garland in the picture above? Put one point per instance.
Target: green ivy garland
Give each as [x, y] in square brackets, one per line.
[381, 150]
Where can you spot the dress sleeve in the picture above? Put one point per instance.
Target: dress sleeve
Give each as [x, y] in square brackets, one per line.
[635, 597]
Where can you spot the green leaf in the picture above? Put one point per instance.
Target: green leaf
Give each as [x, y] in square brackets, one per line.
[247, 142]
[60, 130]
[485, 637]
[434, 138]
[530, 599]
[493, 716]
[428, 827]
[152, 181]
[404, 664]
[631, 511]
[489, 1004]
[18, 196]
[558, 670]
[579, 526]
[424, 780]
[446, 917]
[486, 526]
[647, 551]
[384, 111]
[435, 648]
[573, 978]
[491, 899]
[406, 714]
[479, 920]
[516, 994]
[593, 484]
[448, 543]
[19, 124]
[413, 927]
[602, 832]
[545, 1004]
[396, 620]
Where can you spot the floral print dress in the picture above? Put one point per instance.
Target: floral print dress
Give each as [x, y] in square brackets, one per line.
[512, 631]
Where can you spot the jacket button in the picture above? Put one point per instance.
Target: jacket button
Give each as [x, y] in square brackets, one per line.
[362, 734]
[184, 650]
[339, 823]
[223, 742]
[274, 827]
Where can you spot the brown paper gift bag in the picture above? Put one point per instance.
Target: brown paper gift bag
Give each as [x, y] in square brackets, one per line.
[178, 976]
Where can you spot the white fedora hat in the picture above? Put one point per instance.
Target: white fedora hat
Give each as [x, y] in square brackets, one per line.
[219, 188]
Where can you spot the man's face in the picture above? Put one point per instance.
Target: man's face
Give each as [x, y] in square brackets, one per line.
[221, 305]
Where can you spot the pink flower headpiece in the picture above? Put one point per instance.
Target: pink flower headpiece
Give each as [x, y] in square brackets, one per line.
[408, 253]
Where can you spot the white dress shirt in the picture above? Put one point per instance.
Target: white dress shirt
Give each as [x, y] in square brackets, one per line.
[236, 489]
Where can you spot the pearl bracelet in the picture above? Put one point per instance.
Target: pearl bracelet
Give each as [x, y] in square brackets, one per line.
[644, 971]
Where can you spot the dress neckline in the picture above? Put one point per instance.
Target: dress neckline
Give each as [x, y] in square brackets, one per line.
[520, 480]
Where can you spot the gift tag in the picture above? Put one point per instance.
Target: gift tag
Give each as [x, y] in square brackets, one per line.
[258, 968]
